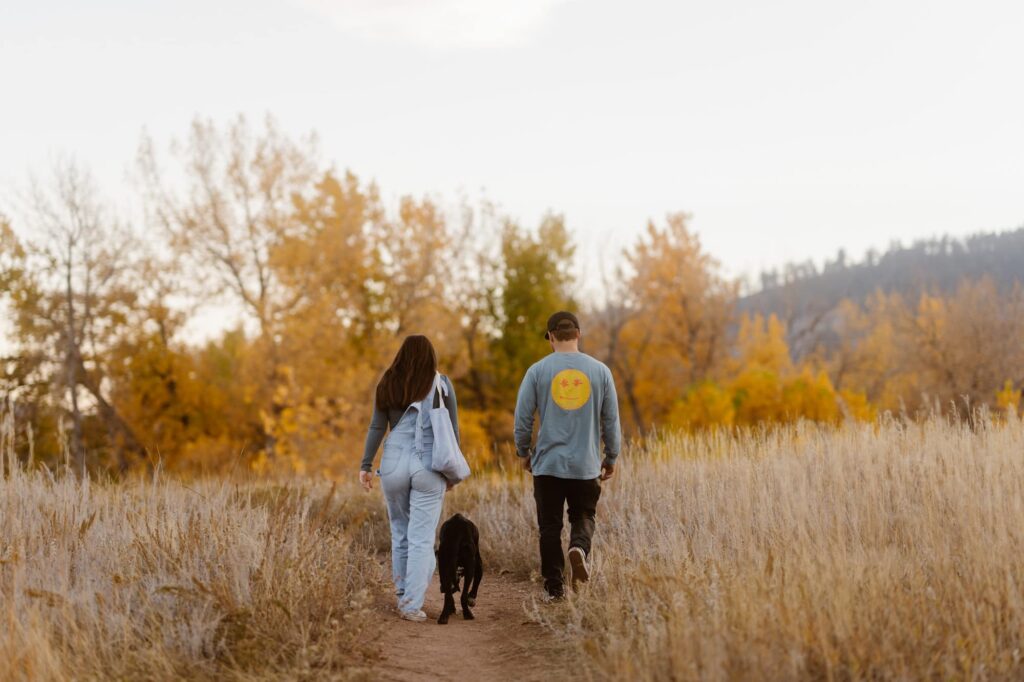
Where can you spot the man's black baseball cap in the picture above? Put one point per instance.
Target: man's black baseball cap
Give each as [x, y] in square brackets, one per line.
[561, 320]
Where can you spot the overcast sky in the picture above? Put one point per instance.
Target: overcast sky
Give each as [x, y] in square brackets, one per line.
[787, 129]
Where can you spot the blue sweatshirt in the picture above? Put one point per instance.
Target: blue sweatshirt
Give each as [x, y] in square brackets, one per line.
[574, 396]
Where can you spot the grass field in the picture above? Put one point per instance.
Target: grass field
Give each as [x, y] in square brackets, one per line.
[885, 551]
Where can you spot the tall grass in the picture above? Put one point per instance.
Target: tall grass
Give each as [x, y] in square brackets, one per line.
[159, 580]
[869, 552]
[888, 551]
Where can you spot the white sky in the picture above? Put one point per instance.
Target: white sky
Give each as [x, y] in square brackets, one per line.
[788, 129]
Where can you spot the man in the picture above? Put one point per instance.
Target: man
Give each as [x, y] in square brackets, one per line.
[574, 396]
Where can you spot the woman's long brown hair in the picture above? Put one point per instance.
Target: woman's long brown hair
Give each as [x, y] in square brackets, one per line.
[411, 375]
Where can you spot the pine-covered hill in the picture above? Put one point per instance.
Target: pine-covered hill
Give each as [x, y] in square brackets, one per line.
[803, 295]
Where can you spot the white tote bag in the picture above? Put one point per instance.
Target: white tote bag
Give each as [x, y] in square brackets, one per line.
[447, 458]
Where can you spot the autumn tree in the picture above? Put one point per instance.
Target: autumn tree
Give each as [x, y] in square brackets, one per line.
[761, 384]
[536, 282]
[364, 278]
[868, 355]
[24, 389]
[154, 377]
[616, 310]
[669, 326]
[474, 289]
[76, 303]
[967, 345]
[227, 208]
[329, 337]
[932, 351]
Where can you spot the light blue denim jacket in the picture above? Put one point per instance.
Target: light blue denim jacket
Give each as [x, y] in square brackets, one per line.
[383, 420]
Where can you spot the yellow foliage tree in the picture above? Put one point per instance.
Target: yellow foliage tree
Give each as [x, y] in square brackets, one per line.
[764, 386]
[1008, 398]
[809, 395]
[671, 328]
[705, 406]
[761, 343]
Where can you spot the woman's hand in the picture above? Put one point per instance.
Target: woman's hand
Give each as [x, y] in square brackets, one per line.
[366, 479]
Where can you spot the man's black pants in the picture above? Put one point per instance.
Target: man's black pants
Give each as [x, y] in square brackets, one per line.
[552, 494]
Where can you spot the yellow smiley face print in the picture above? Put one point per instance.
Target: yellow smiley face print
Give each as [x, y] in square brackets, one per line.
[570, 389]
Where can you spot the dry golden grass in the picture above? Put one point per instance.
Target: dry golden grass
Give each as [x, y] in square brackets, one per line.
[807, 553]
[162, 581]
[865, 552]
[886, 551]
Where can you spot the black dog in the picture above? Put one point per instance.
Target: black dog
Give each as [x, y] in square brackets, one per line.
[459, 557]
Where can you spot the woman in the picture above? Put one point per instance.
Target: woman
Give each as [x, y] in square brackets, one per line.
[413, 492]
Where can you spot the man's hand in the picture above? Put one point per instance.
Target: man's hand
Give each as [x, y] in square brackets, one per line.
[526, 464]
[607, 471]
[366, 479]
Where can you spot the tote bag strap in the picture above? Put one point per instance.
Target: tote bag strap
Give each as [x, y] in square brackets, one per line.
[440, 391]
[436, 389]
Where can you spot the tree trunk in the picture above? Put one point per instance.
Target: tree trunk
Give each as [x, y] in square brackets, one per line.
[475, 378]
[77, 449]
[634, 405]
[127, 441]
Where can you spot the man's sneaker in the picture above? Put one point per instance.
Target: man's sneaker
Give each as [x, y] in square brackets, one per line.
[553, 597]
[414, 616]
[578, 568]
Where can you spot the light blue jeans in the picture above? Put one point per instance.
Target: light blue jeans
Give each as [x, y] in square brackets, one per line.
[414, 495]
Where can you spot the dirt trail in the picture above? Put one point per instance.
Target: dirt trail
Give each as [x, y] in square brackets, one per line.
[500, 644]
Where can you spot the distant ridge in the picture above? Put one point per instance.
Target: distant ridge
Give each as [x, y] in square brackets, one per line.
[802, 294]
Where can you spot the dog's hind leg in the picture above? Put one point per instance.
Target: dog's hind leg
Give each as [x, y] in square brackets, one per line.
[467, 600]
[449, 580]
[478, 574]
[448, 610]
